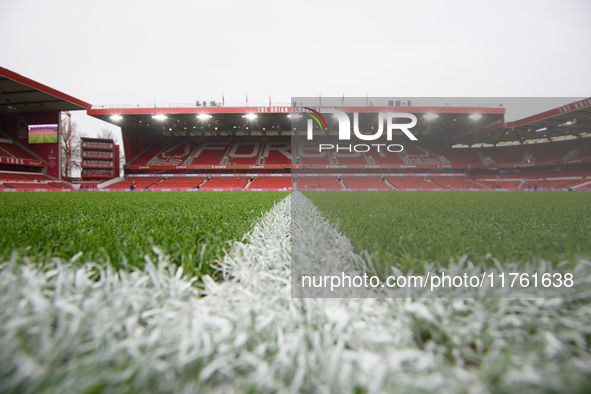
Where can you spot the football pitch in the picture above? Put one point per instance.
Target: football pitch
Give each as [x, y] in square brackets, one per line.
[190, 292]
[121, 228]
[407, 229]
[43, 138]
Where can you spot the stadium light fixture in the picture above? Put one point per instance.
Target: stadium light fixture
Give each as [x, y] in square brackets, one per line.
[159, 117]
[475, 116]
[203, 116]
[542, 129]
[116, 117]
[430, 116]
[250, 116]
[568, 123]
[294, 116]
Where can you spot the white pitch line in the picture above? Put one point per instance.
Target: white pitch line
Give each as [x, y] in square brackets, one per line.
[61, 330]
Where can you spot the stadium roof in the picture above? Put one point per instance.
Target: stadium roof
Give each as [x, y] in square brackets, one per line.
[453, 122]
[224, 121]
[573, 119]
[21, 94]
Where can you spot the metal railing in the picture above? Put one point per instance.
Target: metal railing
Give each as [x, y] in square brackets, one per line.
[191, 105]
[325, 102]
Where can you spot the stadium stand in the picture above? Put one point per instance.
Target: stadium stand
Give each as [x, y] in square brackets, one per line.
[207, 157]
[59, 185]
[555, 151]
[412, 183]
[307, 183]
[12, 150]
[329, 183]
[37, 177]
[324, 160]
[543, 184]
[500, 184]
[270, 183]
[140, 183]
[225, 183]
[386, 158]
[415, 153]
[250, 149]
[178, 183]
[276, 157]
[455, 183]
[525, 174]
[7, 176]
[570, 172]
[173, 154]
[148, 154]
[505, 155]
[364, 183]
[187, 152]
[27, 185]
[351, 159]
[30, 181]
[463, 156]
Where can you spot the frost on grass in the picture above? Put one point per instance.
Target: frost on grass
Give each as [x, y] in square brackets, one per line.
[73, 329]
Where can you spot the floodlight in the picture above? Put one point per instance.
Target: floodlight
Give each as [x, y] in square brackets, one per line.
[159, 117]
[430, 116]
[475, 116]
[203, 116]
[568, 123]
[249, 116]
[116, 117]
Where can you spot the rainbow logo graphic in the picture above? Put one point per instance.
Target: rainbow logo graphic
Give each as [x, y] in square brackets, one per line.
[316, 115]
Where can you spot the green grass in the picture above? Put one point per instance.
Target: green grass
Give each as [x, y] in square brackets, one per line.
[406, 229]
[120, 228]
[43, 138]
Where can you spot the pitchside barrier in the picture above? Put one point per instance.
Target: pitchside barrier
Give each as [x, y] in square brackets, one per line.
[144, 190]
[290, 189]
[296, 175]
[356, 166]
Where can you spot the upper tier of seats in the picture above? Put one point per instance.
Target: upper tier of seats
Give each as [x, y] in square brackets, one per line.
[12, 150]
[192, 152]
[419, 153]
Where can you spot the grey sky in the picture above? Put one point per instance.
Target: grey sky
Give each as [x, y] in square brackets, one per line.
[111, 52]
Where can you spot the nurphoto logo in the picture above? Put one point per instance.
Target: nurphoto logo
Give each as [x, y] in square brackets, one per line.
[344, 129]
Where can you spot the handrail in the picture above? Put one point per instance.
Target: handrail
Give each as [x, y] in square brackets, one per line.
[369, 103]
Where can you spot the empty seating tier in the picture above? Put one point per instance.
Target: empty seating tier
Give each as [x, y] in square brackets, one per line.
[365, 183]
[225, 183]
[178, 183]
[270, 183]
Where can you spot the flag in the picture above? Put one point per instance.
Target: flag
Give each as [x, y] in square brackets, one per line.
[269, 100]
[223, 100]
[367, 99]
[320, 97]
[247, 99]
[343, 100]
